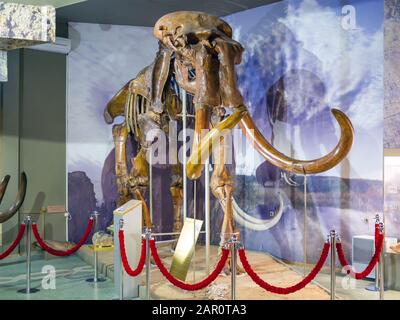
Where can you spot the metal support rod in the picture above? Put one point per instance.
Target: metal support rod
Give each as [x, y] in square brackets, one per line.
[377, 269]
[207, 212]
[95, 278]
[28, 224]
[95, 215]
[184, 160]
[96, 262]
[234, 242]
[194, 228]
[96, 218]
[151, 183]
[67, 217]
[381, 266]
[121, 275]
[148, 237]
[305, 225]
[28, 243]
[333, 263]
[160, 234]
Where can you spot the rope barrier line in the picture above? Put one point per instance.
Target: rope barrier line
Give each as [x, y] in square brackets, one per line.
[189, 286]
[60, 253]
[124, 258]
[278, 290]
[15, 243]
[370, 266]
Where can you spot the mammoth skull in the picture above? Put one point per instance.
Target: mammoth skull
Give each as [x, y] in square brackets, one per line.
[203, 43]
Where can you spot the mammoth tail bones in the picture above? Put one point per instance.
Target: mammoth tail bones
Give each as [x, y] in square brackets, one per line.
[198, 54]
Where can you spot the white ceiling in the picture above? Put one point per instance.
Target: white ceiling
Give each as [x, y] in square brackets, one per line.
[54, 3]
[147, 12]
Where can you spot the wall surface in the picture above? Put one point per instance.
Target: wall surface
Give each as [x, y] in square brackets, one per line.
[33, 134]
[103, 59]
[9, 141]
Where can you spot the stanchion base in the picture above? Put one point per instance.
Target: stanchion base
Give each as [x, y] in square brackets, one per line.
[32, 290]
[372, 287]
[93, 280]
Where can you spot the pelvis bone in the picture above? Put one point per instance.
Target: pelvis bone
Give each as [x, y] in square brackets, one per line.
[19, 200]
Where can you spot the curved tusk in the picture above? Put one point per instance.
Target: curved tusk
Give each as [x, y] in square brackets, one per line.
[302, 166]
[253, 223]
[19, 200]
[201, 152]
[289, 180]
[3, 186]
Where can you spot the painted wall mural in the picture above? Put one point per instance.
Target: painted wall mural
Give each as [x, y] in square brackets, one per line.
[301, 59]
[102, 60]
[392, 74]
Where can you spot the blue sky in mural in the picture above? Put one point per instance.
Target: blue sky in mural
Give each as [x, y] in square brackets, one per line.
[345, 67]
[369, 13]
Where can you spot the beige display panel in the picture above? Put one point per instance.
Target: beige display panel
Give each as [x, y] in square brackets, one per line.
[185, 248]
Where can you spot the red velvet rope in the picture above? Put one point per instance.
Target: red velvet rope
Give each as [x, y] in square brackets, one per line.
[247, 267]
[125, 262]
[60, 253]
[371, 265]
[15, 243]
[189, 286]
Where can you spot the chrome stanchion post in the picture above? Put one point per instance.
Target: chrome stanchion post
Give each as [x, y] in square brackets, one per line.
[95, 278]
[381, 265]
[305, 225]
[28, 225]
[207, 213]
[67, 216]
[96, 261]
[184, 158]
[148, 237]
[233, 248]
[121, 275]
[377, 221]
[332, 236]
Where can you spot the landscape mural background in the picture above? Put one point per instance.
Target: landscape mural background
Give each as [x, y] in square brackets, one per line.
[301, 59]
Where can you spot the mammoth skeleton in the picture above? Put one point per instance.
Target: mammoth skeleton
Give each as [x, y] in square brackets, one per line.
[198, 54]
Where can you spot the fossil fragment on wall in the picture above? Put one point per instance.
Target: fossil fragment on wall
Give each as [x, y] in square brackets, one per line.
[23, 26]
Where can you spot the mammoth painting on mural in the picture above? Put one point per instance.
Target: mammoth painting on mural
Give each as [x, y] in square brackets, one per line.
[197, 54]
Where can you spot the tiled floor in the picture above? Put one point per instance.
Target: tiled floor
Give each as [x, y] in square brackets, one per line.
[70, 280]
[353, 289]
[72, 272]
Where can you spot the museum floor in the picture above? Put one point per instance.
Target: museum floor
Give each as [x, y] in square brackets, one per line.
[72, 272]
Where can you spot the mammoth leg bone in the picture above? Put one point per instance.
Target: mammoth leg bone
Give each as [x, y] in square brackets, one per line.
[19, 200]
[140, 183]
[301, 166]
[120, 135]
[221, 185]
